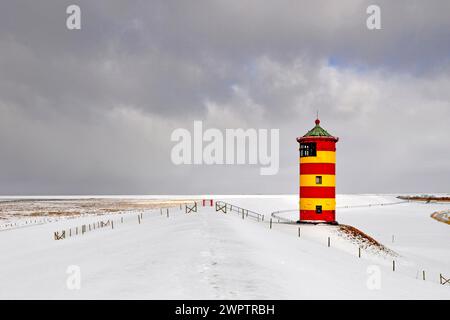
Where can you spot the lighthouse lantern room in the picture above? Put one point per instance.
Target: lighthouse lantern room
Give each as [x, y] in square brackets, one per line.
[317, 176]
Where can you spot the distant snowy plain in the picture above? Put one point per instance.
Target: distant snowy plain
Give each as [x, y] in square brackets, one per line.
[212, 255]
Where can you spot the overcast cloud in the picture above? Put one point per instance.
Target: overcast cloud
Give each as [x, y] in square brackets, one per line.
[91, 111]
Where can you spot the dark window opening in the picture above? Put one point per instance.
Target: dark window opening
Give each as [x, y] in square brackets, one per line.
[318, 179]
[308, 149]
[318, 209]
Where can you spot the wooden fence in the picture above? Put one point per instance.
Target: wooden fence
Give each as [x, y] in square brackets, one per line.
[74, 231]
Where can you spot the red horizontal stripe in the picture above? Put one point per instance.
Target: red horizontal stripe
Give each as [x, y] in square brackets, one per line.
[317, 192]
[317, 168]
[326, 215]
[324, 145]
[316, 139]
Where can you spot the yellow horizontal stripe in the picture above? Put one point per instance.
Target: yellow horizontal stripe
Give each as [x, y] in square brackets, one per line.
[309, 180]
[311, 203]
[322, 157]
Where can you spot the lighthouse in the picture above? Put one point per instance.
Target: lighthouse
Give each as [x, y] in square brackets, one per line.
[317, 176]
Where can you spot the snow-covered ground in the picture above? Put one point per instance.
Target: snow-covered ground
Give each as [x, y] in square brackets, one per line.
[211, 255]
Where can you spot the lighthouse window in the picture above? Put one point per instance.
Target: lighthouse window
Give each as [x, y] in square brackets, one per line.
[318, 209]
[308, 149]
[318, 179]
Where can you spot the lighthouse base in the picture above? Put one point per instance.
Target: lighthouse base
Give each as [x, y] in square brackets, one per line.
[335, 223]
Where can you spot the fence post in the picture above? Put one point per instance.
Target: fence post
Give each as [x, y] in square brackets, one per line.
[167, 211]
[359, 252]
[423, 275]
[299, 232]
[121, 219]
[393, 265]
[328, 242]
[270, 223]
[242, 214]
[112, 224]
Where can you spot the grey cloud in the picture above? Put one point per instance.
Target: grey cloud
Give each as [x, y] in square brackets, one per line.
[91, 111]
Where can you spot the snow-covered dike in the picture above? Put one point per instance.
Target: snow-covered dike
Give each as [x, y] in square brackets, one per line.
[211, 255]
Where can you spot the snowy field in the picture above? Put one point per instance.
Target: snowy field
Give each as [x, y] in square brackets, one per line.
[213, 255]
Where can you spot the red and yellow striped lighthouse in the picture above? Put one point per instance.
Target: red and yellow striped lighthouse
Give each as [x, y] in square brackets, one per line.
[317, 176]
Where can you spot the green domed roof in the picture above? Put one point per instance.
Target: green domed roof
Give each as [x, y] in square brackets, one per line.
[317, 131]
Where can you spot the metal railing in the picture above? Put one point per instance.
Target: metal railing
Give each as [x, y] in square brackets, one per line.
[245, 213]
[276, 214]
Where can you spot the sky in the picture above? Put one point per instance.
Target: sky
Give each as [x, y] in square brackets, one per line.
[91, 111]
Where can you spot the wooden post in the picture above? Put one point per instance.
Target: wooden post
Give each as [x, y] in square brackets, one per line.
[393, 265]
[139, 219]
[299, 232]
[77, 231]
[70, 232]
[112, 224]
[270, 223]
[423, 275]
[242, 214]
[160, 211]
[121, 219]
[328, 242]
[359, 252]
[167, 212]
